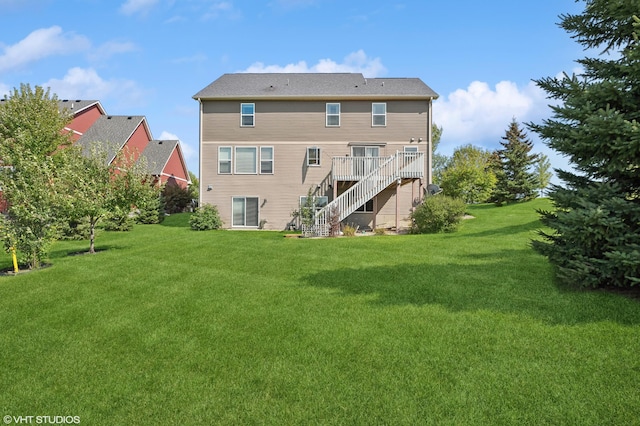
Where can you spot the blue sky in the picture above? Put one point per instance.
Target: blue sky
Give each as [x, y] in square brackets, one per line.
[149, 57]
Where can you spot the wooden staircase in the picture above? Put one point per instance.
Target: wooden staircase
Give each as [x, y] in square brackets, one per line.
[383, 172]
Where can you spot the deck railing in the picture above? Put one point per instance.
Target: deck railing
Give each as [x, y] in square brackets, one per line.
[382, 172]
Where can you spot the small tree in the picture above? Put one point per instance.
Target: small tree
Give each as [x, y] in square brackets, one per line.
[516, 180]
[96, 188]
[469, 175]
[194, 186]
[543, 173]
[439, 163]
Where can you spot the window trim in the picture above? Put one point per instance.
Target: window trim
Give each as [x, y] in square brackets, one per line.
[230, 161]
[255, 164]
[327, 114]
[252, 115]
[316, 207]
[374, 115]
[318, 152]
[245, 197]
[364, 207]
[271, 160]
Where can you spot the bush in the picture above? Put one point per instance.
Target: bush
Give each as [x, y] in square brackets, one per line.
[74, 229]
[118, 221]
[349, 230]
[150, 211]
[205, 218]
[438, 213]
[176, 199]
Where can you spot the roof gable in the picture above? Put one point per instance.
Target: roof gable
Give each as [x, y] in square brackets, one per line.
[313, 85]
[157, 154]
[79, 105]
[112, 132]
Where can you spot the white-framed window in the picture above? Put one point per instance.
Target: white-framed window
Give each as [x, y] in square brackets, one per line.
[266, 160]
[411, 148]
[313, 156]
[333, 115]
[247, 115]
[246, 160]
[318, 201]
[245, 211]
[366, 207]
[379, 114]
[366, 159]
[224, 160]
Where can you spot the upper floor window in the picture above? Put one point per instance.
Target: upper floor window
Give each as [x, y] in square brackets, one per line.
[379, 114]
[224, 160]
[247, 115]
[313, 156]
[266, 160]
[246, 160]
[333, 115]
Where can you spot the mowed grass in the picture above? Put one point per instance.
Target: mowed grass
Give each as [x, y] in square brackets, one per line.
[171, 326]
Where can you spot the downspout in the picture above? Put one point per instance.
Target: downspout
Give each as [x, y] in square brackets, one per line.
[200, 181]
[430, 143]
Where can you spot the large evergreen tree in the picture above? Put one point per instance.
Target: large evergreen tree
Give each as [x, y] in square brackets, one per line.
[516, 178]
[596, 221]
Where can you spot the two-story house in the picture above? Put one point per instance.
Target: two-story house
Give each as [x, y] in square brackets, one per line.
[361, 145]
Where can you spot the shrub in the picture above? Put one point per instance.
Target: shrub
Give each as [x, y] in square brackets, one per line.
[438, 213]
[150, 211]
[74, 229]
[176, 199]
[119, 221]
[205, 218]
[349, 230]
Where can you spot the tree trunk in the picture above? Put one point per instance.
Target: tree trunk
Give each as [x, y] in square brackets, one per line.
[92, 234]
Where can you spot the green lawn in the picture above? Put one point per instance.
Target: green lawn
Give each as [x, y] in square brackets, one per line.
[172, 326]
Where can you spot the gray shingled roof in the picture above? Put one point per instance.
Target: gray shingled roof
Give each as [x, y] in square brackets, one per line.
[157, 154]
[313, 85]
[110, 131]
[77, 105]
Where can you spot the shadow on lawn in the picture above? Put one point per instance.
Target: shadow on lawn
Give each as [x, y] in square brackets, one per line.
[529, 227]
[474, 286]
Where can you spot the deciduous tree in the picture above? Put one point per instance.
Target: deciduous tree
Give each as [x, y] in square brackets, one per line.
[469, 175]
[30, 140]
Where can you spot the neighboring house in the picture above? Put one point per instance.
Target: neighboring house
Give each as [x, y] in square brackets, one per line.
[361, 145]
[90, 125]
[166, 163]
[84, 112]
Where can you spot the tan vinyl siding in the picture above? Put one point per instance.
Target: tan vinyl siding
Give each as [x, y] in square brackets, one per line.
[288, 121]
[290, 127]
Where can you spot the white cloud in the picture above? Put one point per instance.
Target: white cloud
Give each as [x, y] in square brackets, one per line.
[354, 62]
[85, 83]
[188, 152]
[131, 7]
[480, 113]
[110, 48]
[39, 44]
[218, 8]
